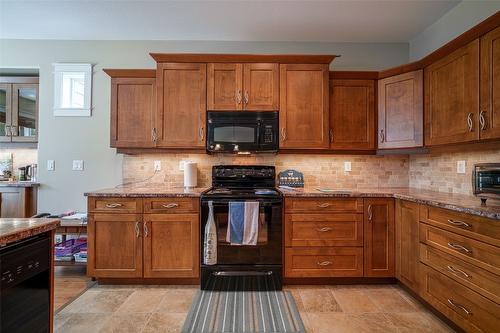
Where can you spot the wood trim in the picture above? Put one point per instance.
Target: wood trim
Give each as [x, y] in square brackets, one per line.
[19, 79]
[137, 151]
[130, 73]
[353, 75]
[412, 66]
[328, 151]
[338, 280]
[149, 281]
[243, 58]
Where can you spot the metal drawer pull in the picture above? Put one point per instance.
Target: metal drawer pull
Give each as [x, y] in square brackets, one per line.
[201, 134]
[482, 121]
[246, 97]
[382, 136]
[113, 205]
[137, 229]
[459, 223]
[459, 306]
[324, 263]
[331, 135]
[324, 205]
[459, 248]
[325, 229]
[146, 230]
[171, 205]
[456, 270]
[238, 97]
[283, 134]
[370, 213]
[469, 121]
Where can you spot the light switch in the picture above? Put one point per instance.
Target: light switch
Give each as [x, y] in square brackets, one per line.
[460, 166]
[157, 165]
[77, 165]
[347, 166]
[181, 165]
[51, 165]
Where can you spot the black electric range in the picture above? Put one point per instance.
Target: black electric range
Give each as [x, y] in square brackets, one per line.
[258, 266]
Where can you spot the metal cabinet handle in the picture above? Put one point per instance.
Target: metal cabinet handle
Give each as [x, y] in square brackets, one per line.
[238, 97]
[382, 136]
[246, 97]
[8, 130]
[370, 213]
[459, 223]
[331, 135]
[459, 306]
[154, 135]
[325, 229]
[283, 134]
[201, 133]
[324, 263]
[146, 230]
[113, 205]
[171, 205]
[482, 121]
[459, 248]
[469, 121]
[137, 229]
[324, 205]
[456, 270]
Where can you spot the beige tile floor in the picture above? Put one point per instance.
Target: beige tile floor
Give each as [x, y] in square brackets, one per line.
[324, 309]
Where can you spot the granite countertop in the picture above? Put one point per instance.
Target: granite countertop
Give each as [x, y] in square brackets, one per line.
[149, 191]
[4, 183]
[457, 202]
[15, 229]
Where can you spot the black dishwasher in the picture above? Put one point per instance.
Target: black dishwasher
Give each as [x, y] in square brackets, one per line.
[25, 285]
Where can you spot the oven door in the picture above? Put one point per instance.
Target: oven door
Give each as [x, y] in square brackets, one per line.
[268, 250]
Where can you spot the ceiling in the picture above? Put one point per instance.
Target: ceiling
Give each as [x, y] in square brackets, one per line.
[318, 21]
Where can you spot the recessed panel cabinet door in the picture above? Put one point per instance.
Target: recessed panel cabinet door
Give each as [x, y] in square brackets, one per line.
[400, 111]
[489, 117]
[24, 126]
[261, 87]
[115, 245]
[452, 97]
[303, 106]
[5, 112]
[407, 243]
[182, 108]
[171, 245]
[379, 237]
[352, 114]
[133, 106]
[225, 87]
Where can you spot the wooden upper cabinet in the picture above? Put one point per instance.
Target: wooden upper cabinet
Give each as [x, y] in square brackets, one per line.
[400, 111]
[489, 116]
[180, 118]
[352, 114]
[133, 106]
[225, 87]
[452, 97]
[379, 242]
[261, 87]
[303, 106]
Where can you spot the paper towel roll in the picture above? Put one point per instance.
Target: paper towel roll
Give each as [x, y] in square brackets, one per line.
[190, 174]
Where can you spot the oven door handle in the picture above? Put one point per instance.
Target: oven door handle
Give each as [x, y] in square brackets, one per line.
[242, 273]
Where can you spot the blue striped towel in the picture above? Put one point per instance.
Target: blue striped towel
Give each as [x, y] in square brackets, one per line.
[243, 224]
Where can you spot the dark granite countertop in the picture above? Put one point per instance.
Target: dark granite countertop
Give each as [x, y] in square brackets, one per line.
[149, 191]
[457, 202]
[5, 183]
[15, 229]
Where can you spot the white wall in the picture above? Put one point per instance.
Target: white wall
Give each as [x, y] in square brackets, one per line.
[65, 139]
[452, 24]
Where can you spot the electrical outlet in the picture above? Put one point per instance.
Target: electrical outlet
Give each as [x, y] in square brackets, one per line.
[347, 166]
[460, 166]
[182, 164]
[51, 165]
[77, 165]
[157, 165]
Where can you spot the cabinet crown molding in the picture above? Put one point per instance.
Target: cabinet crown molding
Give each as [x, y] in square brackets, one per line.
[243, 58]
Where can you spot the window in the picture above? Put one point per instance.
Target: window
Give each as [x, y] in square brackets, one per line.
[72, 89]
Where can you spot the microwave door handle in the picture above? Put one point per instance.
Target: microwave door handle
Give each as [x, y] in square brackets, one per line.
[257, 138]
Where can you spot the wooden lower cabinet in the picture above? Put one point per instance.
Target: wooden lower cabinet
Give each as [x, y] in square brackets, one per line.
[171, 245]
[407, 243]
[18, 202]
[379, 237]
[114, 245]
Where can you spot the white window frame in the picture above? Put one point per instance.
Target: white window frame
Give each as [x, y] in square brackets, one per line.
[59, 70]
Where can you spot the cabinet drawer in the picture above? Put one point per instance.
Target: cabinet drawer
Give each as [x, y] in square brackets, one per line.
[319, 205]
[119, 205]
[468, 309]
[472, 251]
[324, 262]
[481, 228]
[171, 205]
[324, 229]
[485, 283]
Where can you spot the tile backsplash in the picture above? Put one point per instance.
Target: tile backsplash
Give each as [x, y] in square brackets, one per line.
[21, 157]
[319, 170]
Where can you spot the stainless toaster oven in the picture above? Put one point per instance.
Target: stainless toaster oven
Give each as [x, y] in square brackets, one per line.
[486, 180]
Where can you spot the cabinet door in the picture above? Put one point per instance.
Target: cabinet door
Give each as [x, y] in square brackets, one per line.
[13, 200]
[133, 105]
[24, 112]
[452, 97]
[171, 245]
[261, 87]
[5, 112]
[114, 245]
[400, 111]
[304, 106]
[225, 87]
[379, 237]
[407, 243]
[352, 114]
[490, 85]
[182, 105]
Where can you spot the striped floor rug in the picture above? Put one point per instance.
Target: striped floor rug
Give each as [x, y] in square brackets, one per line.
[243, 305]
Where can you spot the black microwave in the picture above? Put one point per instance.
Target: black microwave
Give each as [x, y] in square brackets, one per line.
[242, 132]
[486, 180]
